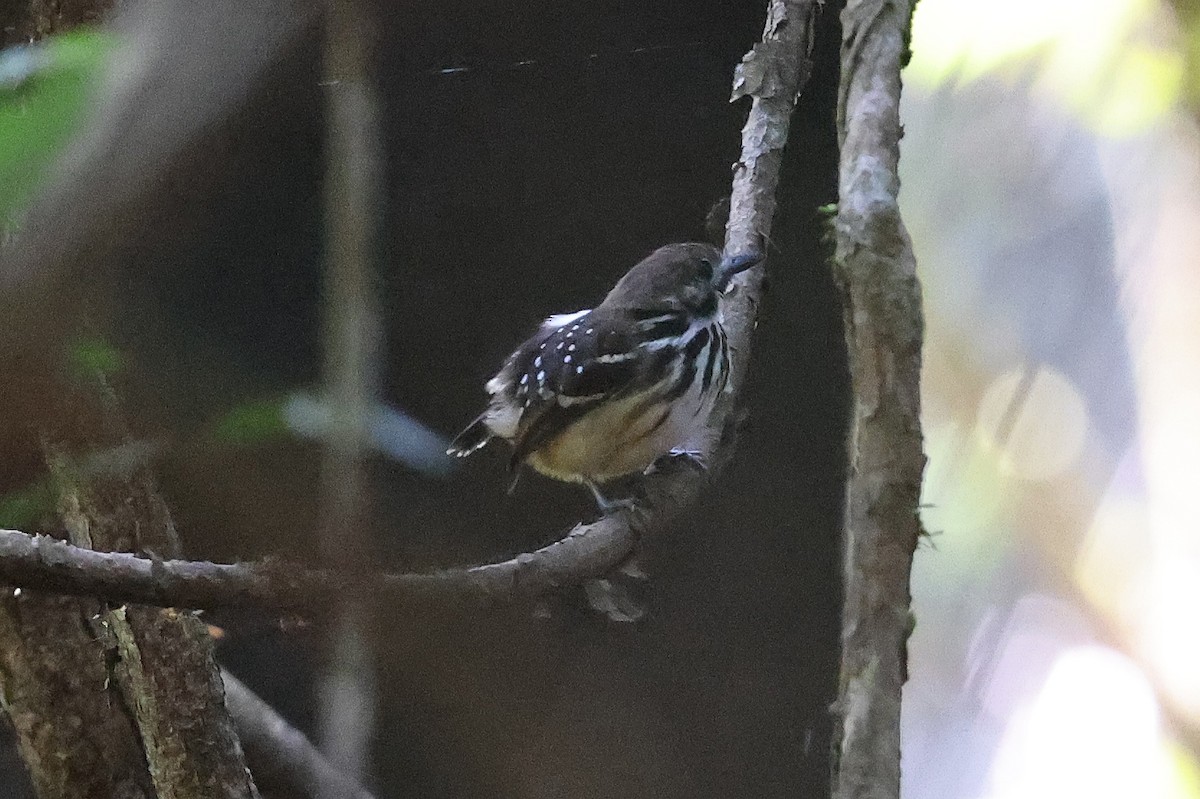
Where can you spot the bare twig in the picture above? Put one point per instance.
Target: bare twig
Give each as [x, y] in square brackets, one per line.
[773, 73]
[47, 564]
[279, 754]
[876, 271]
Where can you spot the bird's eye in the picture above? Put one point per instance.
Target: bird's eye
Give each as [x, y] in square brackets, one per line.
[706, 269]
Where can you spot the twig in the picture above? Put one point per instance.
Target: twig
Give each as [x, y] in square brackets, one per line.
[279, 754]
[876, 271]
[774, 73]
[47, 564]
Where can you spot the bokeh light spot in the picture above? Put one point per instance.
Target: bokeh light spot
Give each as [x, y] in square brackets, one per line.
[1092, 730]
[1035, 421]
[1172, 633]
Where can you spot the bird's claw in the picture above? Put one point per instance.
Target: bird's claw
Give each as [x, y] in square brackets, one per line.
[606, 505]
[679, 455]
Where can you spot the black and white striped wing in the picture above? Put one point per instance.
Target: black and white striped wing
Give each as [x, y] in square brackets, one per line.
[569, 369]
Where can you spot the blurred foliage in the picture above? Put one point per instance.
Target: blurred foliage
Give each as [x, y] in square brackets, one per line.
[27, 508]
[1106, 60]
[44, 93]
[1184, 774]
[1189, 20]
[90, 356]
[253, 422]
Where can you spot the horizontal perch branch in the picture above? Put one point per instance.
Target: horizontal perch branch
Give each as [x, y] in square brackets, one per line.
[48, 564]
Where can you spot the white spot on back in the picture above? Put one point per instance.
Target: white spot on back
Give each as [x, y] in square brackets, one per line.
[541, 377]
[578, 370]
[537, 361]
[570, 348]
[590, 330]
[561, 320]
[567, 359]
[616, 357]
[524, 379]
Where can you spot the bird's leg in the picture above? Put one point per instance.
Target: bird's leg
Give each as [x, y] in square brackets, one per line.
[607, 505]
[516, 479]
[692, 457]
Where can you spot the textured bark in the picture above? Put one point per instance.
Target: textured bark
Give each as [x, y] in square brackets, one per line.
[57, 687]
[24, 21]
[113, 701]
[876, 271]
[773, 73]
[162, 659]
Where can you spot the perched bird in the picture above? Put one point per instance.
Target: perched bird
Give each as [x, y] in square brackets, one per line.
[603, 393]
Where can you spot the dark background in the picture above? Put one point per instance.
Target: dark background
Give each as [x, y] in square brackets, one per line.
[515, 190]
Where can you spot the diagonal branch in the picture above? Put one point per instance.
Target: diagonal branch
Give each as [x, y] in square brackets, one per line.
[876, 271]
[281, 756]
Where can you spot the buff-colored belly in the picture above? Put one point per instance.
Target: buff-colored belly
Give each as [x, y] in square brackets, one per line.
[622, 438]
[611, 441]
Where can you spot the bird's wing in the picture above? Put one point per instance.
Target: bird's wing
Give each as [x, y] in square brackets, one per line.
[568, 370]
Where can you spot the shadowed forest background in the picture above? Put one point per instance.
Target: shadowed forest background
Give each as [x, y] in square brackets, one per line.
[533, 155]
[534, 152]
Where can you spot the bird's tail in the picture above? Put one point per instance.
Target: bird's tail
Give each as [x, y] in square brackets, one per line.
[476, 436]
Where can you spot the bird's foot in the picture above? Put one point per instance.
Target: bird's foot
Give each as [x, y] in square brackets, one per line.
[608, 506]
[692, 458]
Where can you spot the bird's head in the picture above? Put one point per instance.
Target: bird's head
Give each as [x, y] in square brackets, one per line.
[679, 277]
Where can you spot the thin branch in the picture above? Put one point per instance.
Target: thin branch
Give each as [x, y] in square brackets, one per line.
[354, 199]
[280, 755]
[47, 564]
[876, 270]
[773, 73]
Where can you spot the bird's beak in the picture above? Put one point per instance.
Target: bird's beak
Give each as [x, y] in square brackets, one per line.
[732, 265]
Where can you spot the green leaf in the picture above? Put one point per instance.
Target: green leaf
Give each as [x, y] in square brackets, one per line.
[44, 97]
[91, 355]
[26, 508]
[253, 422]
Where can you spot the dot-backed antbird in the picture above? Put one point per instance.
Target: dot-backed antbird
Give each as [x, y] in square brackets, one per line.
[603, 393]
